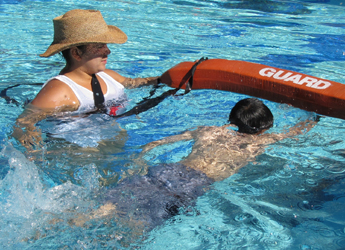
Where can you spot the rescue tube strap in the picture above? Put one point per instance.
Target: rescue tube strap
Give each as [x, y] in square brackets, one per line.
[152, 92]
[189, 84]
[149, 102]
[9, 100]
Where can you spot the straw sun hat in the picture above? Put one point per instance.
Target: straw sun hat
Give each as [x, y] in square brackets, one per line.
[78, 27]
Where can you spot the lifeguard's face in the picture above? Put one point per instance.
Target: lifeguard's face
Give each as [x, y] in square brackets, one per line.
[94, 57]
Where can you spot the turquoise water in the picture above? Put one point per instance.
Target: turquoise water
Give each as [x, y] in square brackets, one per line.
[291, 197]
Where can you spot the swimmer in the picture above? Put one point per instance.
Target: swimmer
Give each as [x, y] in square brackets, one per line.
[81, 36]
[218, 153]
[139, 203]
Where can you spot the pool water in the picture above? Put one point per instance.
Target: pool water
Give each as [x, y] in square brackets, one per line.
[291, 197]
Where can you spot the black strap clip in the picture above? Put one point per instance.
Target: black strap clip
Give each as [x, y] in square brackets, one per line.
[189, 84]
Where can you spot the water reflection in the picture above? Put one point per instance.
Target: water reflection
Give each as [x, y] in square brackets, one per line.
[256, 5]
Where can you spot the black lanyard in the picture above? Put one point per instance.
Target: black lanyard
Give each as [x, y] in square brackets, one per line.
[148, 103]
[97, 92]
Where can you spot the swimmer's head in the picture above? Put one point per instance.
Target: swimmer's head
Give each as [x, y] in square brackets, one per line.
[251, 116]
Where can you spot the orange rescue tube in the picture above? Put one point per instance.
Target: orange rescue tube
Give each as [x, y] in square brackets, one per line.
[283, 86]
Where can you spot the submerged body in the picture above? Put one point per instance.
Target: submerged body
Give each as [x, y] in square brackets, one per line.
[155, 197]
[169, 189]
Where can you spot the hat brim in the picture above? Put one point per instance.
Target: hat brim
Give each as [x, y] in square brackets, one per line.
[114, 35]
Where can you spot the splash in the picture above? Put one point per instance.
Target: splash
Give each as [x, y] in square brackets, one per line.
[29, 199]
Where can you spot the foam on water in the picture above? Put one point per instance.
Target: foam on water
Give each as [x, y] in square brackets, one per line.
[29, 199]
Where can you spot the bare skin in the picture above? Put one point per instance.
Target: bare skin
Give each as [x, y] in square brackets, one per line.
[219, 152]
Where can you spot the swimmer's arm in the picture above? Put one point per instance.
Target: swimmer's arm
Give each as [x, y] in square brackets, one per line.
[188, 135]
[298, 129]
[132, 83]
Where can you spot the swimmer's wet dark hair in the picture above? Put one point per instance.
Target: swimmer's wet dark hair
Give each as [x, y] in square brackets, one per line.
[251, 116]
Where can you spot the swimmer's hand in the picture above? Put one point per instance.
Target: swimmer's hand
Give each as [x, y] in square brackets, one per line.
[303, 127]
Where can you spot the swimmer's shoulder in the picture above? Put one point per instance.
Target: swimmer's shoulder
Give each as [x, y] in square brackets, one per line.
[224, 130]
[214, 133]
[55, 94]
[267, 138]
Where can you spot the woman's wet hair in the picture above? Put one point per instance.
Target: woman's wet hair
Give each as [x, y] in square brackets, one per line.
[66, 55]
[251, 116]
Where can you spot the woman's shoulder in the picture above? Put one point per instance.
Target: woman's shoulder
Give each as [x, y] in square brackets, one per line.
[57, 86]
[55, 94]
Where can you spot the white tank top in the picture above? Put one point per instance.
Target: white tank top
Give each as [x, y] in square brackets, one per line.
[115, 91]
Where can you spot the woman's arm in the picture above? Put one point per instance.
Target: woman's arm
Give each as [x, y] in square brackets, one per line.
[54, 97]
[25, 131]
[132, 83]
